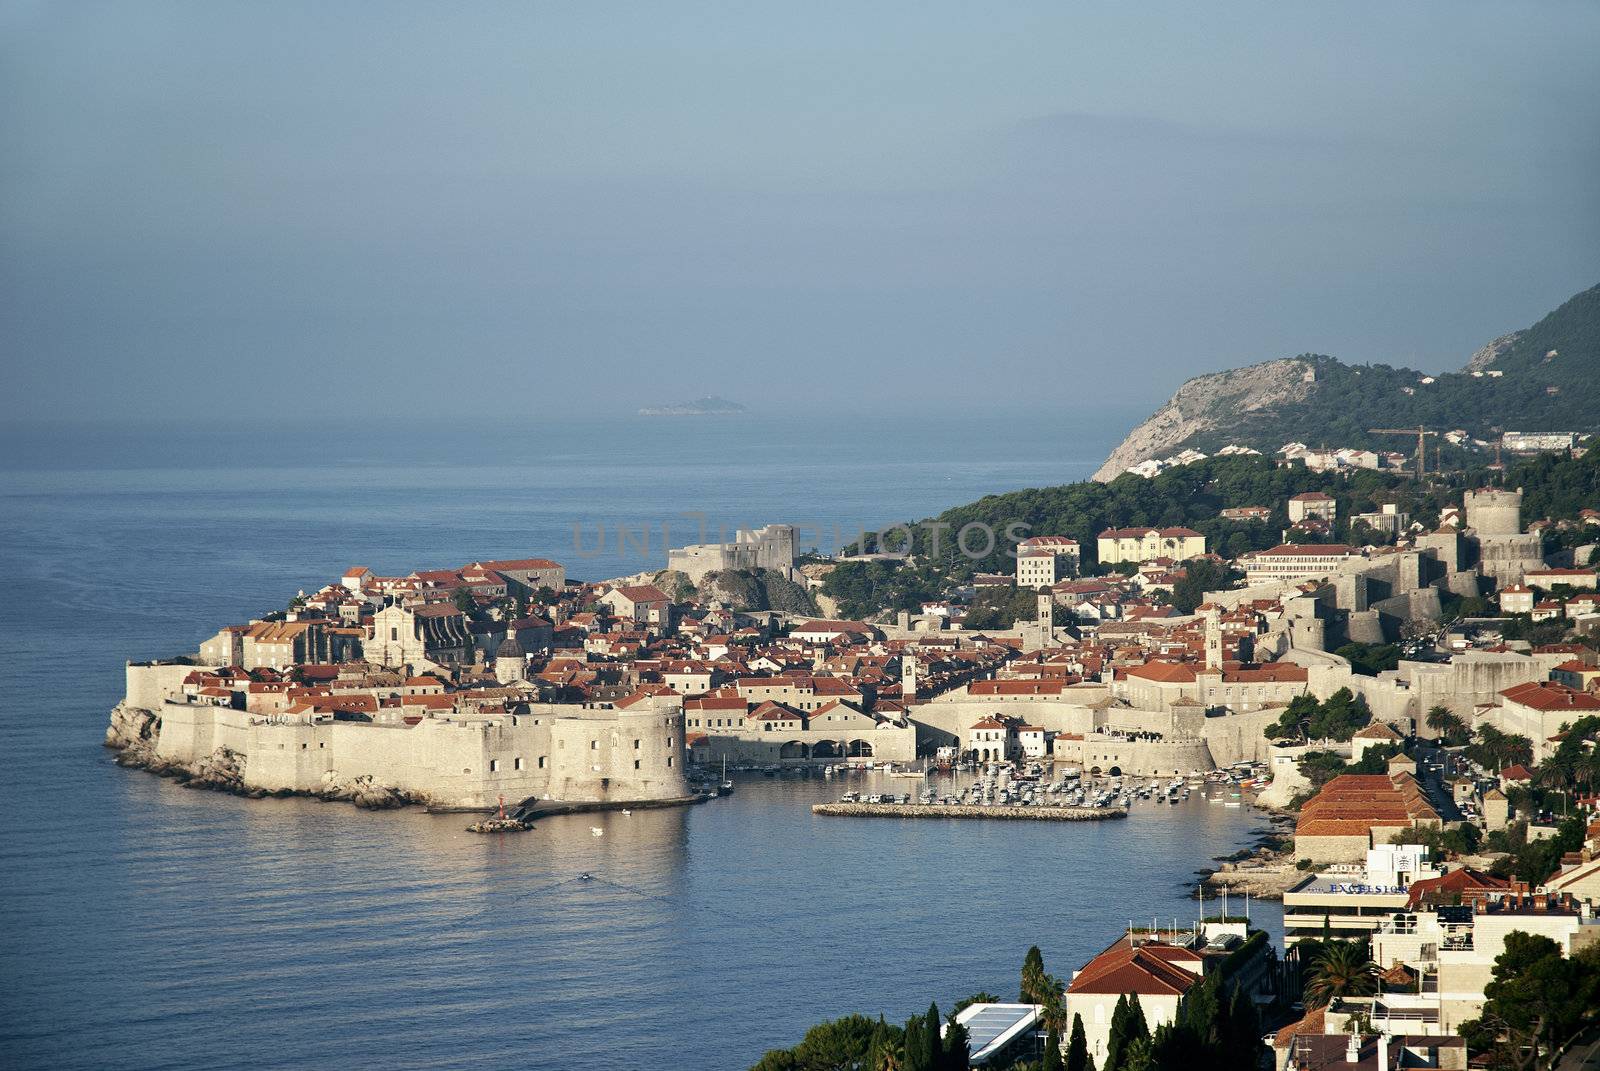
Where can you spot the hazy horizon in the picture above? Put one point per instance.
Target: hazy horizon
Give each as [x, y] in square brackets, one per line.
[227, 211]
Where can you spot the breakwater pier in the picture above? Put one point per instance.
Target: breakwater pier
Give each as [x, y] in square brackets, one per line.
[954, 810]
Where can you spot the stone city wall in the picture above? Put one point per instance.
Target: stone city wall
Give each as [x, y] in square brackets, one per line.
[568, 753]
[798, 748]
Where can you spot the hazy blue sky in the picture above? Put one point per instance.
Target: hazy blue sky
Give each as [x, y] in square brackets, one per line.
[212, 209]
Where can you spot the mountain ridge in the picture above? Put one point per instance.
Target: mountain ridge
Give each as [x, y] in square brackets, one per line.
[1541, 378]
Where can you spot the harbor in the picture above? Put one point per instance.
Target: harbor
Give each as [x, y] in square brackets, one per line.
[1008, 790]
[1051, 813]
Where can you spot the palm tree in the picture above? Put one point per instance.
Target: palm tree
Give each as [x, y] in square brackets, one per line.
[1446, 723]
[1341, 969]
[1054, 1000]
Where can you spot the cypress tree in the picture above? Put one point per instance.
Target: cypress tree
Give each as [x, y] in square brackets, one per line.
[1136, 1026]
[1032, 976]
[1138, 1056]
[1078, 1048]
[880, 1034]
[957, 1047]
[916, 1051]
[1052, 1053]
[1117, 1036]
[1244, 1029]
[933, 1052]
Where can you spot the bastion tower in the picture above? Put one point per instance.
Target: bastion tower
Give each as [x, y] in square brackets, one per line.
[635, 753]
[1494, 520]
[1494, 511]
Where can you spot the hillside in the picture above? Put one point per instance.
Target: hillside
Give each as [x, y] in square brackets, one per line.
[1546, 380]
[1192, 495]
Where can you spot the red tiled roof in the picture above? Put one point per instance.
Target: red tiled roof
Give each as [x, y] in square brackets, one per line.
[1139, 533]
[1465, 882]
[643, 593]
[1164, 672]
[1542, 695]
[1147, 970]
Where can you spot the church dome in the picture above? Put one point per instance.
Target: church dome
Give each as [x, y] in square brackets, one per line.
[509, 647]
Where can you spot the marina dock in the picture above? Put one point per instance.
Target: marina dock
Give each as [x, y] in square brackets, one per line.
[949, 810]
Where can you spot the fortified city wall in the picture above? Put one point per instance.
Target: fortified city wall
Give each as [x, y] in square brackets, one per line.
[565, 752]
[775, 748]
[771, 547]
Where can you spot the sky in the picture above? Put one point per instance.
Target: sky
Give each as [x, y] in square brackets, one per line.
[248, 210]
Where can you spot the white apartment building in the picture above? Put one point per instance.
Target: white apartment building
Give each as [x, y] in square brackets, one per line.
[1138, 545]
[1044, 560]
[1291, 561]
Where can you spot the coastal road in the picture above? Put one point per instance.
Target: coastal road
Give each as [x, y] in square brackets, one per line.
[1584, 1054]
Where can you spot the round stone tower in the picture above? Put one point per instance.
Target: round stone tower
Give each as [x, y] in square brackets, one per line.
[652, 757]
[1493, 511]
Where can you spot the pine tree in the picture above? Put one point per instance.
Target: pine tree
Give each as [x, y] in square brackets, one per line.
[1032, 976]
[1078, 1048]
[1052, 1054]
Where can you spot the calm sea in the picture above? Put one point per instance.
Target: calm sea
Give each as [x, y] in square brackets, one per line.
[147, 926]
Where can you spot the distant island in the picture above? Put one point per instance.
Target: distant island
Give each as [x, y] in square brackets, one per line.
[710, 405]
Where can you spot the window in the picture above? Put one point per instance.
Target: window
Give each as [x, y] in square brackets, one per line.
[636, 743]
[635, 764]
[494, 765]
[516, 763]
[394, 634]
[669, 760]
[541, 762]
[594, 745]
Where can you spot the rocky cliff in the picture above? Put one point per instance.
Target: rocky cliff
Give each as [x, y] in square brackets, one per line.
[1210, 403]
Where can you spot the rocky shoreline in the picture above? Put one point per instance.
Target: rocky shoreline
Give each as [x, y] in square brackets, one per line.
[132, 734]
[1265, 871]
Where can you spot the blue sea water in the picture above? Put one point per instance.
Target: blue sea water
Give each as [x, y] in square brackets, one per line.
[148, 926]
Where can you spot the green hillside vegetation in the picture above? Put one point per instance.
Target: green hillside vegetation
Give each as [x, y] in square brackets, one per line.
[1535, 392]
[1189, 495]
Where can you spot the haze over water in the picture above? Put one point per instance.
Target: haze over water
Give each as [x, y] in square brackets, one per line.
[150, 926]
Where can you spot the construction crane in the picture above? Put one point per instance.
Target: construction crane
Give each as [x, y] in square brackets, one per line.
[1421, 433]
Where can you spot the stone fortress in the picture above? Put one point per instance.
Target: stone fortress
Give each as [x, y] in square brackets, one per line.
[602, 755]
[1162, 720]
[771, 547]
